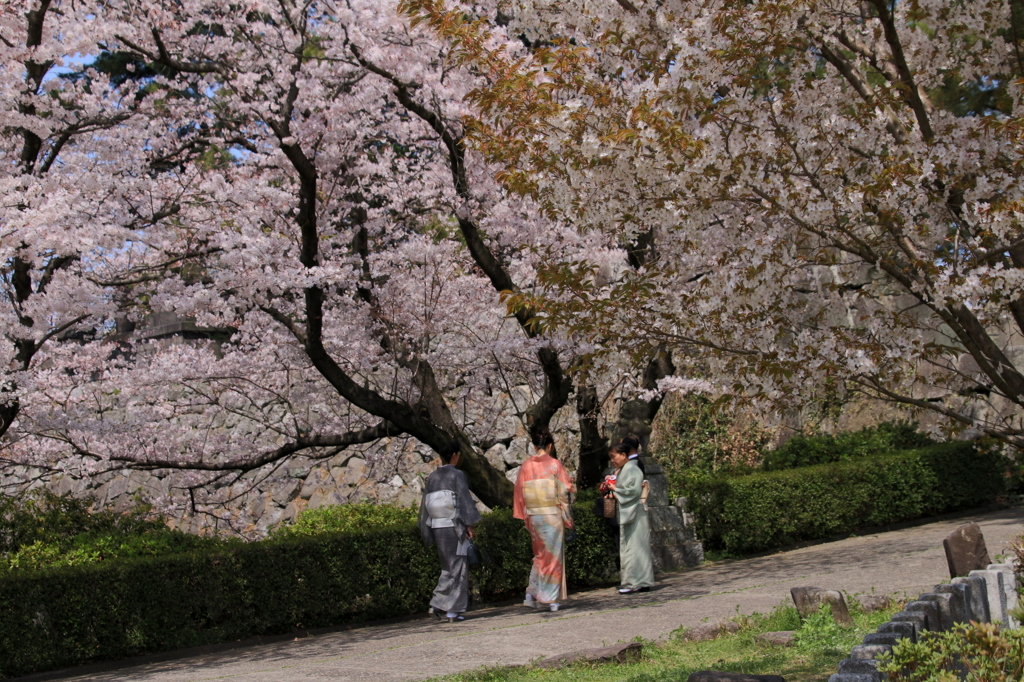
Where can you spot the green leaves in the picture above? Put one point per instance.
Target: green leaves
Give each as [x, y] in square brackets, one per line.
[975, 652]
[347, 518]
[820, 632]
[773, 509]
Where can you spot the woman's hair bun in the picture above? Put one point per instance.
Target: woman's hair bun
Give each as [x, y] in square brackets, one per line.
[542, 438]
[632, 441]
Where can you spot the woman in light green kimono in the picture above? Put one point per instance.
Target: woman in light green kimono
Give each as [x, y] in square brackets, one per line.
[635, 560]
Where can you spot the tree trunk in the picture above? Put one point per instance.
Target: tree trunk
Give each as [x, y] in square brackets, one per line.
[593, 448]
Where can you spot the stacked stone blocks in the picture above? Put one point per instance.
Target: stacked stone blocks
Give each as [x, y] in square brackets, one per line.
[986, 596]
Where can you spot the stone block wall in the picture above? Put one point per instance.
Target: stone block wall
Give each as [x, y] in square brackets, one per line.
[986, 596]
[389, 471]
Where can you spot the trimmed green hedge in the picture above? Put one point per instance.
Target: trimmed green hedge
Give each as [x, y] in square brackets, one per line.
[773, 509]
[60, 617]
[808, 450]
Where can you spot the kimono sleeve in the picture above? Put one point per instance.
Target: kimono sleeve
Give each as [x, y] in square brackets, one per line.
[563, 476]
[464, 499]
[629, 485]
[518, 496]
[428, 537]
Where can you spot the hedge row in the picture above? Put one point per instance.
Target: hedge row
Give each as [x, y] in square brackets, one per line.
[66, 616]
[773, 509]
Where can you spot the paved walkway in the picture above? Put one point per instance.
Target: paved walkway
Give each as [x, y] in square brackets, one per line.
[907, 561]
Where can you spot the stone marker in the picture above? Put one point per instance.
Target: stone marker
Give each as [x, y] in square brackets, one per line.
[977, 597]
[619, 652]
[869, 650]
[994, 594]
[1009, 591]
[958, 601]
[929, 609]
[858, 666]
[916, 618]
[873, 602]
[903, 629]
[779, 638]
[965, 550]
[718, 676]
[808, 599]
[943, 604]
[885, 638]
[706, 631]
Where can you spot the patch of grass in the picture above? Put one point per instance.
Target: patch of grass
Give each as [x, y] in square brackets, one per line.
[820, 646]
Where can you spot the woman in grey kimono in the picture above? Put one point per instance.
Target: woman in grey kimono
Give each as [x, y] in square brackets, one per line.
[635, 561]
[447, 517]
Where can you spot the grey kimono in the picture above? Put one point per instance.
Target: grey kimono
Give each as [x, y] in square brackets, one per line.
[445, 511]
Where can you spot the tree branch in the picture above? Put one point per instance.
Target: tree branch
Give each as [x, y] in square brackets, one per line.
[367, 435]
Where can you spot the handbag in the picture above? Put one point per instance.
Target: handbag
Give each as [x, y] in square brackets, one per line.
[477, 555]
[472, 554]
[610, 510]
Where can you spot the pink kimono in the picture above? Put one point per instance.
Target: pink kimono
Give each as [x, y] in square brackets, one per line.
[542, 501]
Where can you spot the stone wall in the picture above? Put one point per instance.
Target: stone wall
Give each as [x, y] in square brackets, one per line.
[387, 471]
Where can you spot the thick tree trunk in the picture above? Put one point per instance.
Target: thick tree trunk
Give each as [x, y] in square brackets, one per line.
[593, 447]
[8, 411]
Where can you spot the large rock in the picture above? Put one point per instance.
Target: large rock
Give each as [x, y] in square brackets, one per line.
[286, 492]
[965, 550]
[873, 602]
[706, 631]
[619, 653]
[809, 599]
[518, 450]
[496, 456]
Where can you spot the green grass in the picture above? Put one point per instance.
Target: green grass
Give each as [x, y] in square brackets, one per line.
[821, 644]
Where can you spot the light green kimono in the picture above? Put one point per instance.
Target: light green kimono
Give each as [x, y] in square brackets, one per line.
[634, 531]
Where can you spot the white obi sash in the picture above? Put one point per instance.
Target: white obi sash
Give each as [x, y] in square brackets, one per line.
[541, 496]
[441, 508]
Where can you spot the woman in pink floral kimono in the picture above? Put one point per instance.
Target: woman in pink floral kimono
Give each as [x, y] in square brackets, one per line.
[542, 501]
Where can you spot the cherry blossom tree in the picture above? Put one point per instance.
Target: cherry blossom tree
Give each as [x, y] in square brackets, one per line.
[827, 193]
[81, 206]
[294, 178]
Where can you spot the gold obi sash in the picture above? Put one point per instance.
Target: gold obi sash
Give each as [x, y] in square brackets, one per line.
[541, 496]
